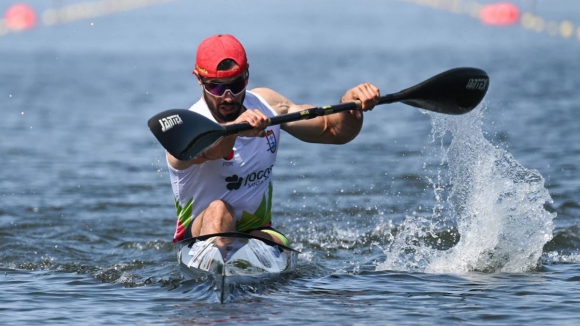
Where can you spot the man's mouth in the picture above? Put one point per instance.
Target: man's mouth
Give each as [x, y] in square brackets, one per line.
[229, 108]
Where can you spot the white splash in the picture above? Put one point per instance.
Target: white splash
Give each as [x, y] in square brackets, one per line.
[496, 204]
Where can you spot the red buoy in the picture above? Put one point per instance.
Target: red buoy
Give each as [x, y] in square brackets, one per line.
[20, 16]
[500, 14]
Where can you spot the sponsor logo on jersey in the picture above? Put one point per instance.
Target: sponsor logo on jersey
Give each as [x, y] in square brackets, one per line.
[272, 143]
[253, 179]
[234, 182]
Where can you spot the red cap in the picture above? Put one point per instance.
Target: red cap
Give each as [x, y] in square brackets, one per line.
[214, 50]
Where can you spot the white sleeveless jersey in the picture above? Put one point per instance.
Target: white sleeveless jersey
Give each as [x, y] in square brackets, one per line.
[243, 178]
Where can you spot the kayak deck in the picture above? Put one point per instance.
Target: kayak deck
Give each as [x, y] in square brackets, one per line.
[234, 258]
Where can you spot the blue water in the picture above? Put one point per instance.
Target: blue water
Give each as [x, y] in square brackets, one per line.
[421, 219]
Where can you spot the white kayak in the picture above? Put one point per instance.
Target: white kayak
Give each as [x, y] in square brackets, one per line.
[234, 258]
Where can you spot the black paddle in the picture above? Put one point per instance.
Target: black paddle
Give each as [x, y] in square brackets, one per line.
[186, 134]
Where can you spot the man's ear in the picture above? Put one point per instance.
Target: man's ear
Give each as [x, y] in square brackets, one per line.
[198, 77]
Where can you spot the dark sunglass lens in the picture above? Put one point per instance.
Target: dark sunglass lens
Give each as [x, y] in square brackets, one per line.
[219, 89]
[216, 89]
[237, 86]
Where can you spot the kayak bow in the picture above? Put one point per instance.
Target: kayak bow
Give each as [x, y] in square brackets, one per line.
[234, 258]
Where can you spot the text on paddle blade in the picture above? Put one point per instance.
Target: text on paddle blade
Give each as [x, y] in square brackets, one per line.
[479, 84]
[170, 122]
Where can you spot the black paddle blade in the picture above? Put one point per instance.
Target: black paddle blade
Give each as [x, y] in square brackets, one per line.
[184, 133]
[455, 91]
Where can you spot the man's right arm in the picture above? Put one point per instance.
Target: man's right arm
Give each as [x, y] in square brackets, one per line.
[224, 146]
[218, 150]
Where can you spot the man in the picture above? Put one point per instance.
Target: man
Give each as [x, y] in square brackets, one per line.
[229, 186]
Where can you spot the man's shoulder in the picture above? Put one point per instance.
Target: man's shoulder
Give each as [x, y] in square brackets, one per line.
[272, 98]
[263, 97]
[264, 92]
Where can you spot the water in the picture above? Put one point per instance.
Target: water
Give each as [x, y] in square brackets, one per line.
[422, 219]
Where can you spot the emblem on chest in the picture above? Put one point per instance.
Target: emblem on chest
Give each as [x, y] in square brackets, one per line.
[272, 143]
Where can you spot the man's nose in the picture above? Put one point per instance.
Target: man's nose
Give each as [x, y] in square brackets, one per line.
[229, 95]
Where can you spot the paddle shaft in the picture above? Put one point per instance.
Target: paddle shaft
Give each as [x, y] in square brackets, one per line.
[308, 114]
[185, 134]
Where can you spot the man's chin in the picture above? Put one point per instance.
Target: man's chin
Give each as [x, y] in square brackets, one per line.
[229, 115]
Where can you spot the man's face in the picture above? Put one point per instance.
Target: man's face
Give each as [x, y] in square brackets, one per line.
[224, 96]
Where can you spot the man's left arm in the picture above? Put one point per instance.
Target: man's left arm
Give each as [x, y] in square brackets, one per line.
[338, 128]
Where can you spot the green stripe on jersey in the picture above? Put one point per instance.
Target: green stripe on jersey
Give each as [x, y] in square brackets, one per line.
[261, 216]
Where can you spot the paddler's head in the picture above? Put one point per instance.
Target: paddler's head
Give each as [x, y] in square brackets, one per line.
[221, 68]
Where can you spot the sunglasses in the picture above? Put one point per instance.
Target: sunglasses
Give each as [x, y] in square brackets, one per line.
[219, 89]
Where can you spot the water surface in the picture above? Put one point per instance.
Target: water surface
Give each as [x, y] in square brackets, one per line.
[422, 219]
